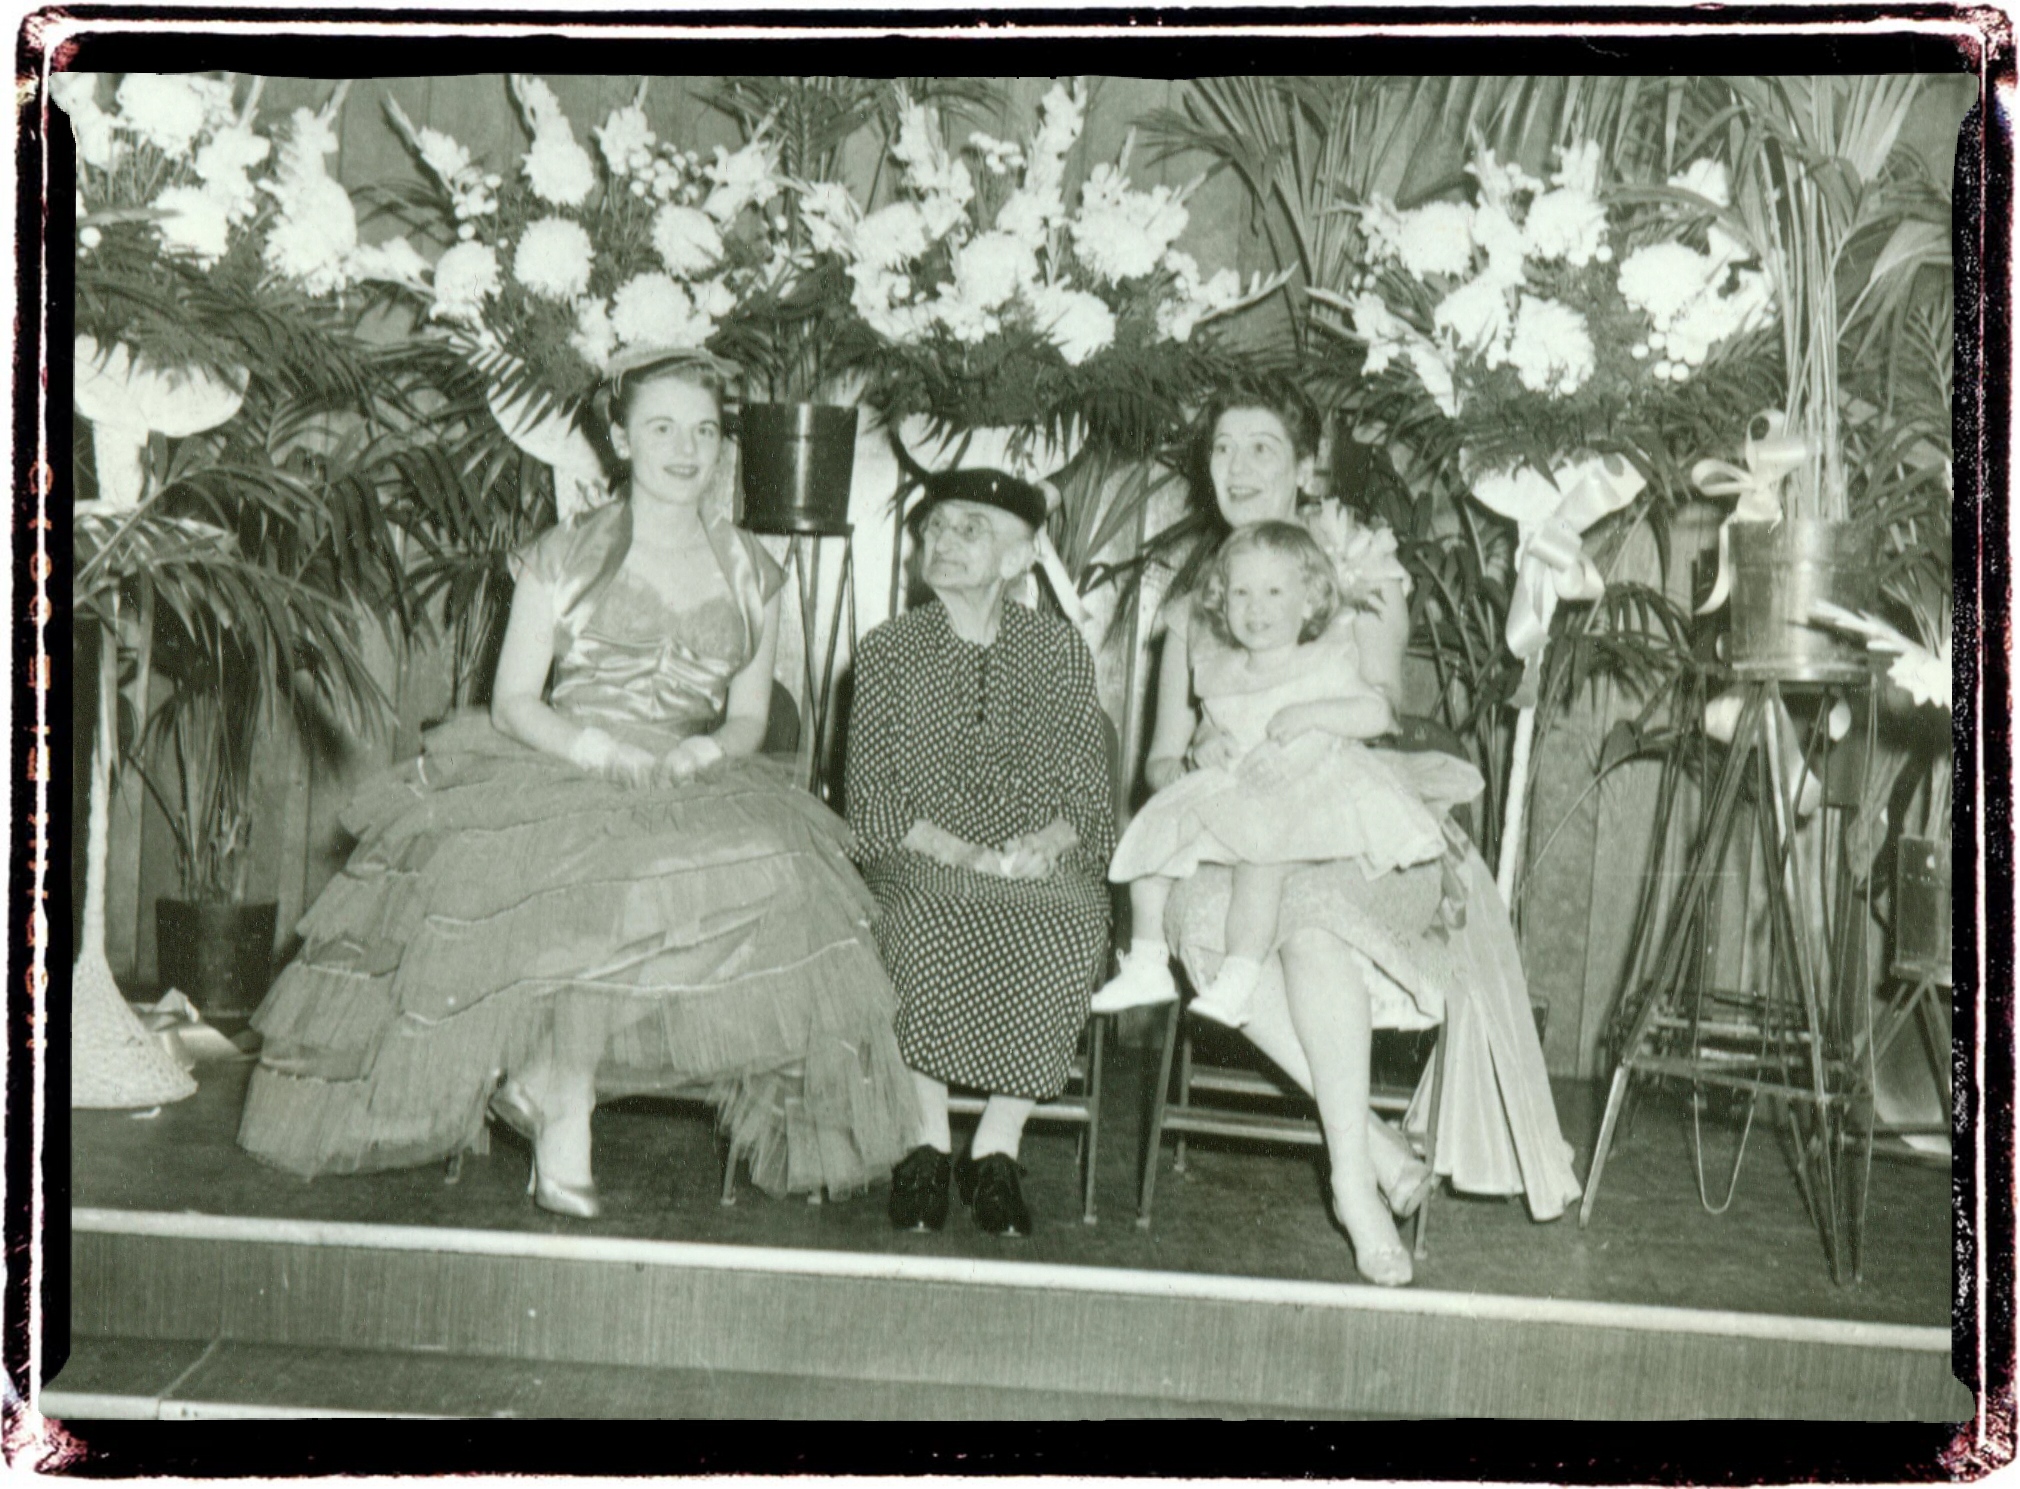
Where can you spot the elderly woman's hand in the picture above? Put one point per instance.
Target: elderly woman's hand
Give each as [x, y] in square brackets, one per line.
[1035, 855]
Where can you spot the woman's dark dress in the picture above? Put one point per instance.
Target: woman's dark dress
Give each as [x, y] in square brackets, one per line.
[709, 939]
[989, 743]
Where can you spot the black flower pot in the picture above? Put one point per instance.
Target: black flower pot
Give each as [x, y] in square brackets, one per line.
[219, 954]
[797, 462]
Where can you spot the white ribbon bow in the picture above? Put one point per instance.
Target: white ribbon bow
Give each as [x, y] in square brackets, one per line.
[1755, 488]
[124, 399]
[1551, 564]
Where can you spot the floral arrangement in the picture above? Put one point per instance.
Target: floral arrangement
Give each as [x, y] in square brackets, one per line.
[1537, 319]
[571, 258]
[984, 298]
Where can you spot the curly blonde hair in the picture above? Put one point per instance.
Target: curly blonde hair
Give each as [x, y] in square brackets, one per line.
[1322, 590]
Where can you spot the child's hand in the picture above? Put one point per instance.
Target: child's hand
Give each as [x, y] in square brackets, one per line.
[1267, 767]
[1211, 749]
[1162, 770]
[1291, 721]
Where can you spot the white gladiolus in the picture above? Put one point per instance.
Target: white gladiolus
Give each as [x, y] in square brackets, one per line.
[891, 236]
[1435, 373]
[1506, 245]
[556, 166]
[465, 277]
[317, 233]
[943, 184]
[654, 310]
[198, 224]
[395, 261]
[991, 268]
[594, 338]
[686, 240]
[1078, 323]
[715, 298]
[1707, 178]
[999, 157]
[626, 140]
[553, 259]
[1578, 168]
[1551, 348]
[747, 178]
[222, 163]
[828, 213]
[168, 111]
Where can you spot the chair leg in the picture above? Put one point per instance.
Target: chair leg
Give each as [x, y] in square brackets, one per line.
[1419, 1239]
[1153, 1136]
[1184, 1087]
[1091, 1137]
[728, 1175]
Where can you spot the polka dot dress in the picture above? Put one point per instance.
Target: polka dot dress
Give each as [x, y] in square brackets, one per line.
[993, 975]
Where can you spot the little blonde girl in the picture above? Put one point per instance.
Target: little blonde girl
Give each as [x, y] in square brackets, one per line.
[1284, 780]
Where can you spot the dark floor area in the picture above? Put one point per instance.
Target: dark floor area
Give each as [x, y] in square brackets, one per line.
[1237, 1209]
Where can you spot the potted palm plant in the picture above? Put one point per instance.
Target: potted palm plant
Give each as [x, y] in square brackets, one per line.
[218, 526]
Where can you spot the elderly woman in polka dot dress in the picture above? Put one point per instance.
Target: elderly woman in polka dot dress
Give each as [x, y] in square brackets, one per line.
[978, 789]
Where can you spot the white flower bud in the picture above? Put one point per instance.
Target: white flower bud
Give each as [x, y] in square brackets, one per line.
[1639, 351]
[466, 231]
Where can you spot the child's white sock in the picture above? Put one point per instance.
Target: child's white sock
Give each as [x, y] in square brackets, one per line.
[1144, 978]
[1226, 1002]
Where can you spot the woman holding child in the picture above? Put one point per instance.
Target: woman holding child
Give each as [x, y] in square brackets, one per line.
[1310, 881]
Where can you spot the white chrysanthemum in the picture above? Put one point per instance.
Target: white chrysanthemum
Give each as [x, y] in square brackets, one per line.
[594, 337]
[747, 178]
[829, 215]
[1506, 246]
[942, 184]
[1578, 168]
[1060, 114]
[559, 170]
[553, 259]
[1475, 318]
[76, 93]
[964, 320]
[1437, 239]
[198, 224]
[1662, 278]
[222, 163]
[396, 260]
[655, 310]
[1122, 234]
[991, 268]
[1707, 178]
[1078, 323]
[626, 140]
[1715, 316]
[891, 236]
[686, 240]
[876, 298]
[1567, 224]
[166, 110]
[1551, 348]
[1385, 333]
[465, 277]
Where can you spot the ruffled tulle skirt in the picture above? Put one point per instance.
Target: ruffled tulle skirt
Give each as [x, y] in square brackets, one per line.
[1337, 800]
[707, 940]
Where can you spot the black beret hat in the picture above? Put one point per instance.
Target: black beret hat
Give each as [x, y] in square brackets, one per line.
[988, 488]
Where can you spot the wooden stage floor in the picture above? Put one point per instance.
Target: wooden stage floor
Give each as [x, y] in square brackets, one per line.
[1237, 1212]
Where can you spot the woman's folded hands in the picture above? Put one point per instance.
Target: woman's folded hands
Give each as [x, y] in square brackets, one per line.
[603, 754]
[1034, 855]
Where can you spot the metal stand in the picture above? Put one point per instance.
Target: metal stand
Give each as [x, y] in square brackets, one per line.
[803, 561]
[1801, 1035]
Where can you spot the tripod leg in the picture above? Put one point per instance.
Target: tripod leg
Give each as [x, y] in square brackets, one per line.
[1614, 1096]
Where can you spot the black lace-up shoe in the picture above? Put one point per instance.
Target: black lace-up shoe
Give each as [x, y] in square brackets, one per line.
[990, 1185]
[919, 1190]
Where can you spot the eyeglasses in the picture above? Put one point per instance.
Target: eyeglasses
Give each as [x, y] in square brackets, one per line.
[969, 527]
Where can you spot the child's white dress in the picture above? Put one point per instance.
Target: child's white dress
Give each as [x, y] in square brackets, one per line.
[1336, 798]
